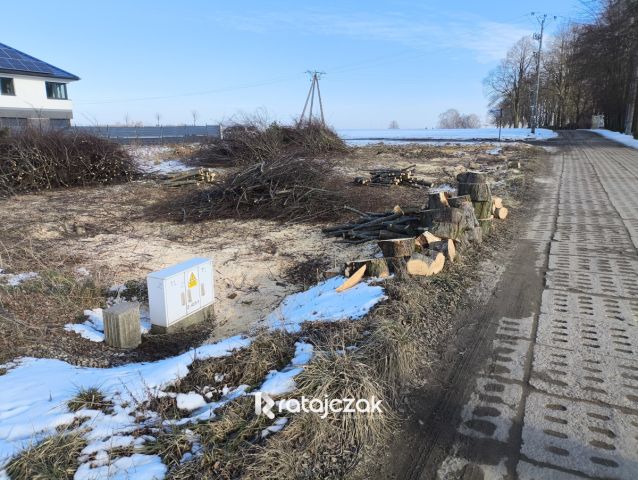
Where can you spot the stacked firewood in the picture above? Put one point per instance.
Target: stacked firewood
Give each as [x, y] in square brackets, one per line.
[421, 240]
[195, 176]
[393, 176]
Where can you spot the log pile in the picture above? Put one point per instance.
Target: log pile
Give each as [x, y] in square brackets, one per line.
[393, 176]
[422, 240]
[195, 176]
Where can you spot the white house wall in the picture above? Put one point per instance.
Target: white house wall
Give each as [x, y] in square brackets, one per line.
[30, 93]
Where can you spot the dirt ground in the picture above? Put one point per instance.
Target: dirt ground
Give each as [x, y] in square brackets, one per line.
[105, 233]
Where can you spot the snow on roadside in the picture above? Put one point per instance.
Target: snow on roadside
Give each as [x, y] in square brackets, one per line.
[627, 140]
[322, 303]
[34, 393]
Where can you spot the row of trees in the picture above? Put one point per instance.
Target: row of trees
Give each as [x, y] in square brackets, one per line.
[588, 69]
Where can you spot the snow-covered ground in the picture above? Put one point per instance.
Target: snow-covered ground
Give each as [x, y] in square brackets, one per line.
[15, 279]
[34, 392]
[617, 137]
[436, 135]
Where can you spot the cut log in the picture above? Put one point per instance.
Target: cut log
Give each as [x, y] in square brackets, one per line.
[471, 177]
[400, 247]
[425, 264]
[501, 213]
[513, 164]
[437, 200]
[478, 192]
[353, 280]
[375, 267]
[425, 239]
[482, 210]
[498, 202]
[446, 247]
[485, 225]
[457, 202]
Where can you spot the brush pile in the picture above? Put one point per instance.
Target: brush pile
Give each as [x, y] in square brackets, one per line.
[393, 176]
[195, 176]
[250, 144]
[33, 160]
[420, 240]
[285, 188]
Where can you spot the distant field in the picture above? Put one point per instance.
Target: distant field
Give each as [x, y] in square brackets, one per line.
[436, 135]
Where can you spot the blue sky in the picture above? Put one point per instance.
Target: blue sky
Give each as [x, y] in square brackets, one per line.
[384, 60]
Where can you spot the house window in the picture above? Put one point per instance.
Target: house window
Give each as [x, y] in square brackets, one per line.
[6, 86]
[56, 91]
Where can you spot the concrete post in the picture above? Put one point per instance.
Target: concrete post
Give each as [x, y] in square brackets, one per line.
[122, 325]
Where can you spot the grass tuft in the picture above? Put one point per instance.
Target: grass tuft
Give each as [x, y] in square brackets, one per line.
[53, 458]
[90, 399]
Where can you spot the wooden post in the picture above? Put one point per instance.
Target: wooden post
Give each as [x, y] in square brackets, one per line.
[122, 325]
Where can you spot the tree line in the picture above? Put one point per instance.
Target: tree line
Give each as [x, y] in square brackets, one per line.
[587, 69]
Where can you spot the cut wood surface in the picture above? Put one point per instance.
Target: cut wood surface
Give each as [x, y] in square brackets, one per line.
[400, 247]
[425, 264]
[437, 200]
[353, 280]
[426, 238]
[501, 213]
[498, 202]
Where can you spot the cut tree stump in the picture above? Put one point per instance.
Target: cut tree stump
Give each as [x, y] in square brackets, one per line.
[501, 213]
[471, 177]
[353, 280]
[485, 225]
[446, 247]
[375, 267]
[458, 202]
[399, 247]
[425, 264]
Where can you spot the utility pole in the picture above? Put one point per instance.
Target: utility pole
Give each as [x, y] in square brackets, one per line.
[314, 89]
[541, 19]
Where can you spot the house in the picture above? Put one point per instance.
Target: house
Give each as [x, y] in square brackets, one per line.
[33, 92]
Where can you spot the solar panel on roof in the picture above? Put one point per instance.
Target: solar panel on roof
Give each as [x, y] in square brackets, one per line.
[12, 60]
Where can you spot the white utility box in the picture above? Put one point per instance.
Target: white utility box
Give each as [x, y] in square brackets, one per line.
[182, 294]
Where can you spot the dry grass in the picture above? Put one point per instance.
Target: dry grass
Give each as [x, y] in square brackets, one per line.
[90, 399]
[53, 458]
[249, 366]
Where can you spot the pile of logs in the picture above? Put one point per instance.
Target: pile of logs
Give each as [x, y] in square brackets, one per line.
[195, 176]
[422, 239]
[393, 176]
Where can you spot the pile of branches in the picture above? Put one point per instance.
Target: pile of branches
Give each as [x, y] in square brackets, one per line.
[249, 144]
[393, 176]
[285, 187]
[396, 223]
[34, 160]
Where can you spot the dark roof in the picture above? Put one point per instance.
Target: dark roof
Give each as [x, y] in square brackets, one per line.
[14, 61]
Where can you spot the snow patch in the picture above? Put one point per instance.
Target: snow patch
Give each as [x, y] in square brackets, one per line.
[190, 401]
[627, 140]
[323, 303]
[15, 279]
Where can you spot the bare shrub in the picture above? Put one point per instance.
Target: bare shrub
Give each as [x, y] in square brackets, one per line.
[33, 160]
[253, 142]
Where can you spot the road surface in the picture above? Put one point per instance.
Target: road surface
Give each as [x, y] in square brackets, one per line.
[552, 388]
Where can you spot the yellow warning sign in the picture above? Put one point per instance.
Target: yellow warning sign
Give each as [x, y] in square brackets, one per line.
[192, 281]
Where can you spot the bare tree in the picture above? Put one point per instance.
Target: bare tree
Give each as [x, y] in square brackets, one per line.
[195, 115]
[158, 117]
[394, 125]
[453, 119]
[511, 80]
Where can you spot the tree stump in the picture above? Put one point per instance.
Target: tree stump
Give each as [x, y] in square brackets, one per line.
[399, 247]
[375, 267]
